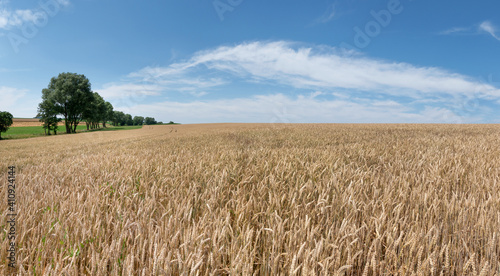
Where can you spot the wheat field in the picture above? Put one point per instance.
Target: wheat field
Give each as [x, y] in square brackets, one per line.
[257, 199]
[18, 122]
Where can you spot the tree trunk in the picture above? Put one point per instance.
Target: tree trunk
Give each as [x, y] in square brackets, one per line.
[68, 127]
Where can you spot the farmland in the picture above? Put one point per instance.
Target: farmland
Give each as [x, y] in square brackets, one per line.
[28, 128]
[243, 199]
[20, 122]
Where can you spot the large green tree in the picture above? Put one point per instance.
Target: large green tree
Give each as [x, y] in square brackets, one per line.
[69, 94]
[5, 122]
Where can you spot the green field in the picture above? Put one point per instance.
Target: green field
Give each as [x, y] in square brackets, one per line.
[36, 131]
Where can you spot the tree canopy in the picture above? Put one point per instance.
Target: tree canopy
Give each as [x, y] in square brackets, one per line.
[5, 121]
[138, 121]
[48, 117]
[150, 121]
[69, 95]
[97, 111]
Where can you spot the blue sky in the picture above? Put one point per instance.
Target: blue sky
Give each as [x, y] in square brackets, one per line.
[193, 61]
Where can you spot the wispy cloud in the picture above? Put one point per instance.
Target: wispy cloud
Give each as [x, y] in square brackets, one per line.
[198, 94]
[485, 27]
[150, 82]
[280, 108]
[113, 91]
[321, 68]
[489, 28]
[330, 85]
[328, 15]
[455, 30]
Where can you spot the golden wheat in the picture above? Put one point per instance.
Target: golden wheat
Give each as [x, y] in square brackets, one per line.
[256, 199]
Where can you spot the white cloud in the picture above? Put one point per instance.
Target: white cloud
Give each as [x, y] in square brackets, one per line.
[279, 108]
[64, 2]
[147, 82]
[198, 94]
[10, 98]
[333, 86]
[323, 68]
[317, 93]
[115, 91]
[14, 18]
[489, 28]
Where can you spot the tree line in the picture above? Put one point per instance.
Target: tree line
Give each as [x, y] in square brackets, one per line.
[70, 95]
[122, 119]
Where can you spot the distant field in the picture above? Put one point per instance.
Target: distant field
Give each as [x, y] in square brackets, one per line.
[19, 122]
[257, 199]
[35, 131]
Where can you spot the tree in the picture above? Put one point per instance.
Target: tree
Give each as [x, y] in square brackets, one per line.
[5, 122]
[129, 120]
[69, 95]
[89, 114]
[118, 117]
[96, 111]
[150, 121]
[48, 117]
[138, 121]
[50, 124]
[108, 113]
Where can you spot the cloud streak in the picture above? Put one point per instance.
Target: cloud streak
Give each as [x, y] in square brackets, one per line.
[329, 84]
[482, 28]
[279, 108]
[328, 16]
[302, 67]
[455, 30]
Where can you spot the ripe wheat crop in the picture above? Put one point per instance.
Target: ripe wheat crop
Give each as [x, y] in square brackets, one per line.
[256, 199]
